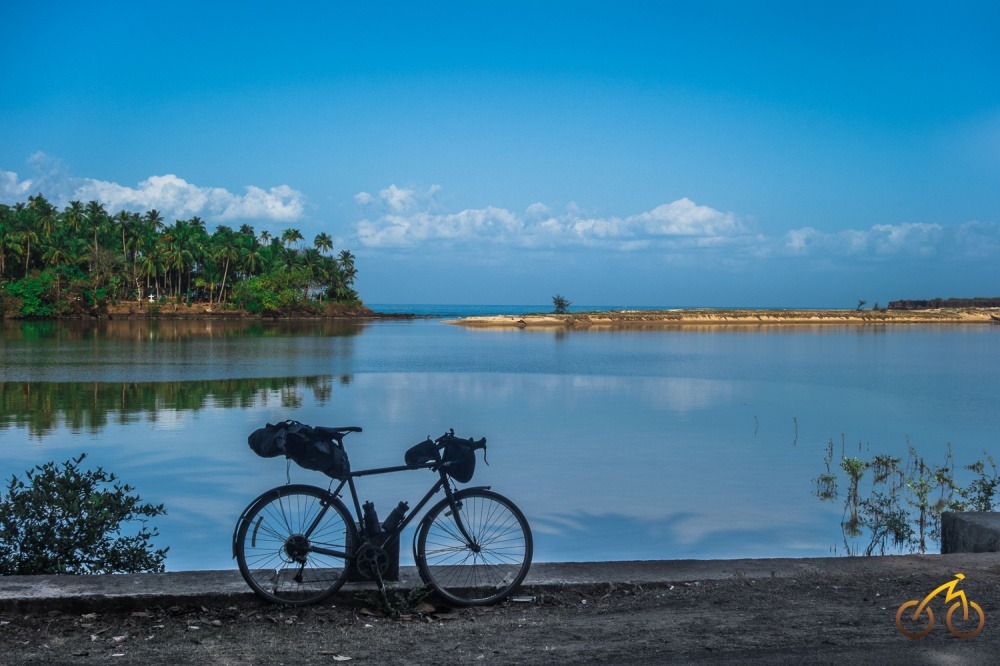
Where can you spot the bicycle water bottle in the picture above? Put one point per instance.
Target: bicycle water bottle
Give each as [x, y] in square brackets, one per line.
[372, 527]
[396, 517]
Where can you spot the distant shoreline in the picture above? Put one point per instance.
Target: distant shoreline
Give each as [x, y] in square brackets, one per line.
[711, 317]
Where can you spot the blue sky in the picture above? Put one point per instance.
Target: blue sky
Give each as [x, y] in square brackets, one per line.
[698, 154]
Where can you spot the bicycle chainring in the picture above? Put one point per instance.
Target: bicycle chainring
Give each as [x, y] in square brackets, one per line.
[372, 561]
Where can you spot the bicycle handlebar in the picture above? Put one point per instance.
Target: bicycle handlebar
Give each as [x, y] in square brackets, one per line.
[449, 437]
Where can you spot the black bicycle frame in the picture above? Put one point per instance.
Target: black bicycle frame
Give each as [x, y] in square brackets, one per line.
[442, 482]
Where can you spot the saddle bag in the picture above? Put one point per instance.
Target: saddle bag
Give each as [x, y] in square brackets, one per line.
[303, 445]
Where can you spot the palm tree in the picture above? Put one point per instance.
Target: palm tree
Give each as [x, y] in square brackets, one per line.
[153, 220]
[228, 252]
[44, 214]
[177, 257]
[96, 216]
[312, 261]
[36, 234]
[150, 266]
[123, 220]
[323, 242]
[176, 252]
[289, 236]
[74, 215]
[347, 265]
[26, 236]
[6, 235]
[250, 258]
[60, 252]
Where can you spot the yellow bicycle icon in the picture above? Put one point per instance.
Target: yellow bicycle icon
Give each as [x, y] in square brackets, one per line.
[924, 606]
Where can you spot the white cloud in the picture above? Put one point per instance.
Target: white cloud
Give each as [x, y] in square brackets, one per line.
[979, 240]
[171, 195]
[398, 200]
[179, 198]
[12, 189]
[407, 218]
[909, 238]
[410, 218]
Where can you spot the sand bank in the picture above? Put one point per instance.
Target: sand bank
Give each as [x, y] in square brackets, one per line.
[668, 319]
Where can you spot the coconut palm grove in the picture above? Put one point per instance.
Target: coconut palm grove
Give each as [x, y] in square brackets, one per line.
[84, 260]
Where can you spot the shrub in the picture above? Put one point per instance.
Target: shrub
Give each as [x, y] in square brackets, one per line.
[561, 304]
[277, 292]
[34, 296]
[65, 520]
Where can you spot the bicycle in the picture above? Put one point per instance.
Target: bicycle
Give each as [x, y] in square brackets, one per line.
[924, 606]
[297, 544]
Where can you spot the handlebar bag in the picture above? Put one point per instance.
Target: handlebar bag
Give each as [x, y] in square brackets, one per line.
[460, 461]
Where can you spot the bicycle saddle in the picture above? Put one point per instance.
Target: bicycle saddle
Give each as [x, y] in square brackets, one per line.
[337, 432]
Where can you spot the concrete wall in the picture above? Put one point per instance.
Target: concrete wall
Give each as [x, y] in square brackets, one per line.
[970, 532]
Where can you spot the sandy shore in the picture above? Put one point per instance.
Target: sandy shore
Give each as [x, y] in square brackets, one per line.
[670, 319]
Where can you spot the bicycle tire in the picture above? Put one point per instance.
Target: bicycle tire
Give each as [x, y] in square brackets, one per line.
[457, 572]
[967, 634]
[914, 633]
[276, 558]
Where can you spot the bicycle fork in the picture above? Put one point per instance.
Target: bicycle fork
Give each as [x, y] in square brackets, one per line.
[456, 513]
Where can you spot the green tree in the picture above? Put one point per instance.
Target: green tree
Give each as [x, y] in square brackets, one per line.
[101, 258]
[290, 236]
[323, 243]
[96, 216]
[228, 252]
[561, 304]
[34, 296]
[62, 519]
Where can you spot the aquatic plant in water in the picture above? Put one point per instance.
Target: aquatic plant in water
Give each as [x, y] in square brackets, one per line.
[895, 505]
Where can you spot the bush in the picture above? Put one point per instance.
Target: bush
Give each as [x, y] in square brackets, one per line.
[560, 304]
[33, 297]
[275, 293]
[65, 520]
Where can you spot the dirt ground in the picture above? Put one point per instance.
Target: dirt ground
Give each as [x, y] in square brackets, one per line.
[809, 619]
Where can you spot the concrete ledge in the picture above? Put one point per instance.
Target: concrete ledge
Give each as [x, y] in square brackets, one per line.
[970, 532]
[227, 586]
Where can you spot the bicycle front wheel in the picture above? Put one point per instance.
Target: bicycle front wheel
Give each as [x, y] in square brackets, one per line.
[293, 545]
[489, 568]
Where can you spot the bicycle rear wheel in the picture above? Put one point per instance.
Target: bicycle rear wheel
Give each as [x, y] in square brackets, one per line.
[487, 570]
[276, 541]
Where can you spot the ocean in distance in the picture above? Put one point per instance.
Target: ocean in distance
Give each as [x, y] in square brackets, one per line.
[450, 310]
[472, 310]
[617, 444]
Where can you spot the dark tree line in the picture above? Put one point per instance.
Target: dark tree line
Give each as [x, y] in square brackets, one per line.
[935, 303]
[54, 261]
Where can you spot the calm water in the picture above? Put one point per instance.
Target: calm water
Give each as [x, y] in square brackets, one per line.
[618, 445]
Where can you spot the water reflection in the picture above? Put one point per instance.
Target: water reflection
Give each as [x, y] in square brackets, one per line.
[172, 329]
[45, 407]
[128, 351]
